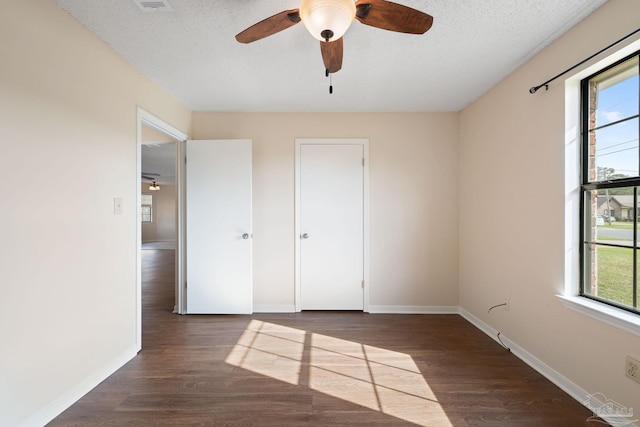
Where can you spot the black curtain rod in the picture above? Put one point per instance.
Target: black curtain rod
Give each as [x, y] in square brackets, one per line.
[546, 84]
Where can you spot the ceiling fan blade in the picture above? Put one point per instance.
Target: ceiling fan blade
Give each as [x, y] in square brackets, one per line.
[267, 27]
[332, 55]
[392, 16]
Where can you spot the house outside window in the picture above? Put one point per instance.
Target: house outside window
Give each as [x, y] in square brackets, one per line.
[610, 183]
[146, 208]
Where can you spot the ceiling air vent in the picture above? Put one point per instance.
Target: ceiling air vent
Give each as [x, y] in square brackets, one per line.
[154, 6]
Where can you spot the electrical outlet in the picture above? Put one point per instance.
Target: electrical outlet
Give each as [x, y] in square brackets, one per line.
[506, 304]
[632, 370]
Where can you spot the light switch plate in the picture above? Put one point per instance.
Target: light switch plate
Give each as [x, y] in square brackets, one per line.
[117, 206]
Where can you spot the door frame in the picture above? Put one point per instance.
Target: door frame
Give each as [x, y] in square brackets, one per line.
[145, 118]
[364, 142]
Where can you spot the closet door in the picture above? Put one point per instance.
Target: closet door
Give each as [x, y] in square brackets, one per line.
[331, 198]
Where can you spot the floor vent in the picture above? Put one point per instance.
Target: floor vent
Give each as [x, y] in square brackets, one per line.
[154, 6]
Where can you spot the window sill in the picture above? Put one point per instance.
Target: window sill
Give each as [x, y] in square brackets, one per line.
[621, 319]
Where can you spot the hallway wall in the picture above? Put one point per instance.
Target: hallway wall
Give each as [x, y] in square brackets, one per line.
[163, 225]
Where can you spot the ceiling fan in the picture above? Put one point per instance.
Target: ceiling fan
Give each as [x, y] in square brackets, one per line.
[328, 20]
[150, 176]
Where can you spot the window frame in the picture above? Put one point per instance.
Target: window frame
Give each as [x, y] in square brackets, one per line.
[146, 205]
[144, 215]
[586, 185]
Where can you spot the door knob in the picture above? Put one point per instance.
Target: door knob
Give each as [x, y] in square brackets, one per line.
[305, 236]
[245, 236]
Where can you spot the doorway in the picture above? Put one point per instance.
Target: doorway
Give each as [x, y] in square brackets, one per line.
[332, 222]
[159, 202]
[159, 147]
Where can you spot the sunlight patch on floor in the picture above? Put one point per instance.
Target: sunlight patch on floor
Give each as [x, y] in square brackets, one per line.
[372, 377]
[271, 350]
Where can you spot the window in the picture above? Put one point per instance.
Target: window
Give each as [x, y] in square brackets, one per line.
[146, 208]
[610, 233]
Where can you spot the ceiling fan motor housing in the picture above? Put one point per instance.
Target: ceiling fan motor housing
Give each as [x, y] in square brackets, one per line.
[327, 20]
[327, 35]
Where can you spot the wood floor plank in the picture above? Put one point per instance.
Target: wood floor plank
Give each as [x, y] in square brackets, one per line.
[316, 369]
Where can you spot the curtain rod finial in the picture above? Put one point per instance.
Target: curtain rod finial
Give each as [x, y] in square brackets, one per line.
[535, 88]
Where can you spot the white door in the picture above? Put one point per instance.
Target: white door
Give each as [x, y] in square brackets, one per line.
[331, 226]
[218, 223]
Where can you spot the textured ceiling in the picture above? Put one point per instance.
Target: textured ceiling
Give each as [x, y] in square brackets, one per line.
[193, 55]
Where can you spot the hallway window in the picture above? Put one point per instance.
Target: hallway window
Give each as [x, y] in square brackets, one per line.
[146, 208]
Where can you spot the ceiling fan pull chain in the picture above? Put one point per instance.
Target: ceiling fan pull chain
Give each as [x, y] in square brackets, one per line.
[328, 74]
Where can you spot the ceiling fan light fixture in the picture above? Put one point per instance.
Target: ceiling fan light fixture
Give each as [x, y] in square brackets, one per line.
[154, 187]
[327, 19]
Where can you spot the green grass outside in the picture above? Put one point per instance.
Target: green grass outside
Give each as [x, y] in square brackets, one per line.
[619, 225]
[615, 275]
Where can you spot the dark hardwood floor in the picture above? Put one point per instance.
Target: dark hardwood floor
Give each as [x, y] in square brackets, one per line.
[316, 369]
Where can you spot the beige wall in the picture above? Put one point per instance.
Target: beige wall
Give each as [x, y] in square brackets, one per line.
[413, 196]
[68, 124]
[512, 148]
[163, 225]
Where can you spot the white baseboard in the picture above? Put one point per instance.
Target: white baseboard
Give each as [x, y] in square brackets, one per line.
[283, 308]
[70, 397]
[543, 369]
[412, 309]
[374, 309]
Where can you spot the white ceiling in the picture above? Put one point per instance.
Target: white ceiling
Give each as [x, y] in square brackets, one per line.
[192, 53]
